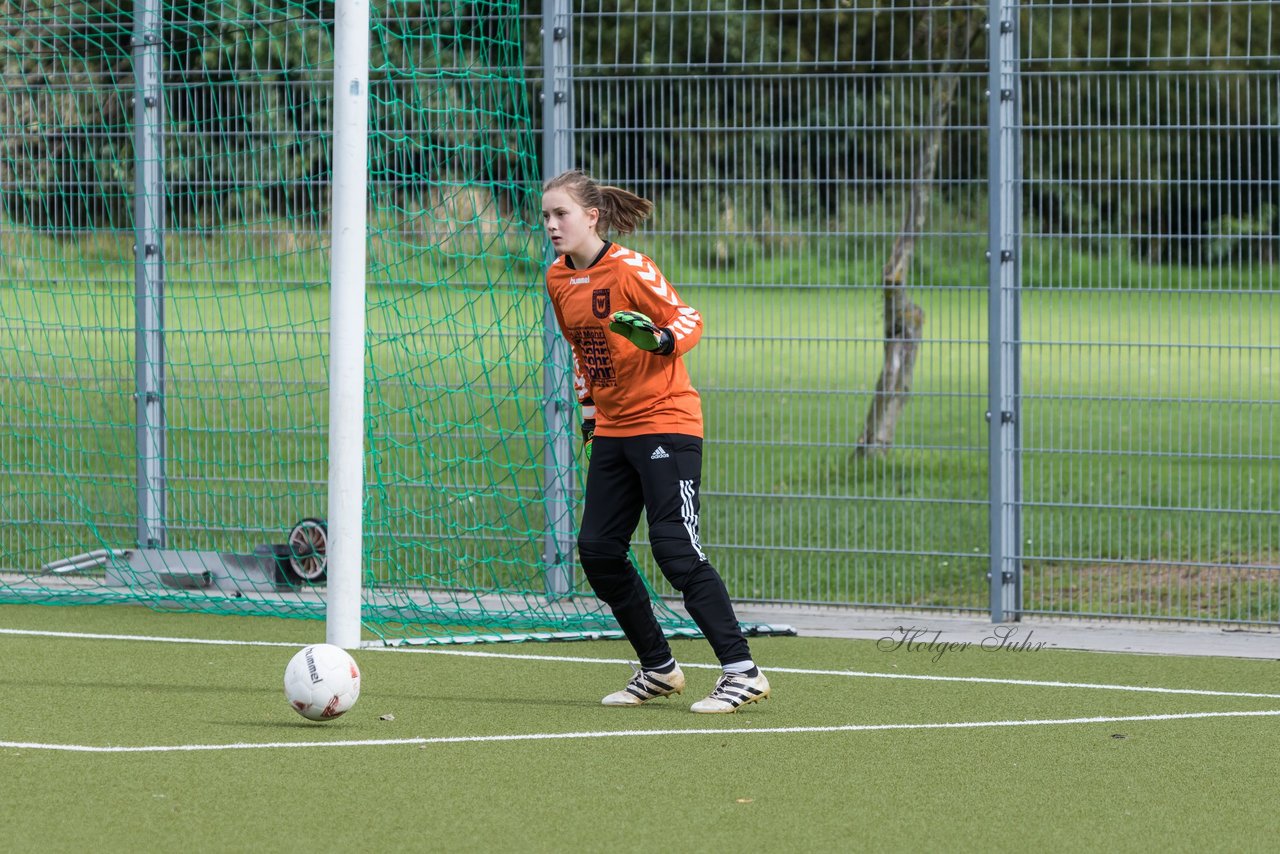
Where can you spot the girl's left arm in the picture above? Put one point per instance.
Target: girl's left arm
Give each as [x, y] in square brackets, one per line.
[654, 296]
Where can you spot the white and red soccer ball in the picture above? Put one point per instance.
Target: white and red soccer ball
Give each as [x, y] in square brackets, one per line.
[322, 682]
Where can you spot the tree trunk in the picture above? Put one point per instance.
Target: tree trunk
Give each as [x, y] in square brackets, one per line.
[903, 318]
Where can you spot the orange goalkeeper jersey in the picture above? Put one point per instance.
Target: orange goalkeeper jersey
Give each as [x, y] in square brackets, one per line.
[634, 391]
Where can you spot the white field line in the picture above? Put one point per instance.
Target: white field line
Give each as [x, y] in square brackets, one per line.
[856, 674]
[570, 736]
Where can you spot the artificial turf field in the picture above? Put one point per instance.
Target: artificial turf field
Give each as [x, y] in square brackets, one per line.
[113, 744]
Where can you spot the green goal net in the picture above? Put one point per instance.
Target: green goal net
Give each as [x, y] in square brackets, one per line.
[164, 247]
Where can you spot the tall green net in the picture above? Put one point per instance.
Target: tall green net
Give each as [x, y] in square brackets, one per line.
[165, 173]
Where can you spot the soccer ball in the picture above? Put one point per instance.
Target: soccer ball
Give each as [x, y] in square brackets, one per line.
[322, 682]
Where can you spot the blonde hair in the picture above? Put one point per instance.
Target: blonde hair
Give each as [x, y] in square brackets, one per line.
[620, 210]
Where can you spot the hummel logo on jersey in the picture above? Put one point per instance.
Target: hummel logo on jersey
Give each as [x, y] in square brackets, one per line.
[659, 454]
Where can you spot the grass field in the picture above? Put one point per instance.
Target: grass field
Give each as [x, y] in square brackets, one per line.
[114, 739]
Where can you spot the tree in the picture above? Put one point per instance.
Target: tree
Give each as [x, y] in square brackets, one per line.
[949, 35]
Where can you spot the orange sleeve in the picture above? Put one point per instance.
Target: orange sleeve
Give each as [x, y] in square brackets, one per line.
[653, 295]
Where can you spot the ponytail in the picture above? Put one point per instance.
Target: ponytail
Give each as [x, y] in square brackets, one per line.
[623, 210]
[620, 210]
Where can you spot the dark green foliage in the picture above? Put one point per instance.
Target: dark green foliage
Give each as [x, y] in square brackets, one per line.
[1150, 124]
[248, 92]
[246, 109]
[65, 156]
[1155, 124]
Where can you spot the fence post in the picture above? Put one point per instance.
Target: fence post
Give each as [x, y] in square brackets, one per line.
[1004, 190]
[558, 396]
[148, 273]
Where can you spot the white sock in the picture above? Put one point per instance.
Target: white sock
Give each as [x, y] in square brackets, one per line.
[740, 667]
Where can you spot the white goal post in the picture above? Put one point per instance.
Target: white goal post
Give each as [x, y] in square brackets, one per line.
[347, 321]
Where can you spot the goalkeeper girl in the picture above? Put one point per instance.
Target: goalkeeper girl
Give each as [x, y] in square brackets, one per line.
[642, 429]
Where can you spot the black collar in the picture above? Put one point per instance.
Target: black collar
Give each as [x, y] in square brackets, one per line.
[594, 261]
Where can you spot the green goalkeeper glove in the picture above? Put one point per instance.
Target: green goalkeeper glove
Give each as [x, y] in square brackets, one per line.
[643, 332]
[588, 434]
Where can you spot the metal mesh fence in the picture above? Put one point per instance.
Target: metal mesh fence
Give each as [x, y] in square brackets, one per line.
[824, 174]
[1150, 179]
[894, 414]
[782, 147]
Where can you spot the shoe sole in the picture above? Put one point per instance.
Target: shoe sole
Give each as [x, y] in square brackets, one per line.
[639, 702]
[763, 696]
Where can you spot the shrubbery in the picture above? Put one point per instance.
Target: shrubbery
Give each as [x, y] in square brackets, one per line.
[790, 115]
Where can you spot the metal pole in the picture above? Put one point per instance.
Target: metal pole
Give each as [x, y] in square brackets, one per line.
[347, 322]
[148, 273]
[559, 400]
[1004, 329]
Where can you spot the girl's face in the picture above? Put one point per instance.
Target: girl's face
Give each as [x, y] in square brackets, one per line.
[571, 227]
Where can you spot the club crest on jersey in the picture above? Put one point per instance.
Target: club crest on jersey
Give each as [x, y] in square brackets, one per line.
[600, 303]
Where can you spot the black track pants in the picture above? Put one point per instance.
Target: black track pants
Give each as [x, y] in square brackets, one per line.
[659, 473]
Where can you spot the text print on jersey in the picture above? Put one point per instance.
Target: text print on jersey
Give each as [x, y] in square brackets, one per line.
[595, 361]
